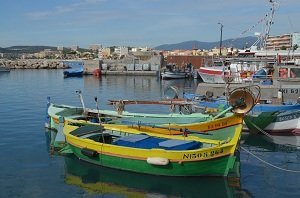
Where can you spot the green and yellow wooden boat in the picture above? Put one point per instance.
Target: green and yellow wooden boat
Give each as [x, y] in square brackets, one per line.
[144, 151]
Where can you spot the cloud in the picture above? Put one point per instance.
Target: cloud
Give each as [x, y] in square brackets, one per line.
[62, 9]
[38, 15]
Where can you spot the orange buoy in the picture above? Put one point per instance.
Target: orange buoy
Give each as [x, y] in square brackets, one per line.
[97, 72]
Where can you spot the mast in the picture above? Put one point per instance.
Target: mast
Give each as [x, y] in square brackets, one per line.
[269, 23]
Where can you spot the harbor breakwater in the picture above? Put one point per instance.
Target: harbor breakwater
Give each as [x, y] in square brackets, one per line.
[34, 64]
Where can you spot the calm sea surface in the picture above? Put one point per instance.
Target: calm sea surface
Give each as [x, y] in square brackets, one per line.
[27, 168]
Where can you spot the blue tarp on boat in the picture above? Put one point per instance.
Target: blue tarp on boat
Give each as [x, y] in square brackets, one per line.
[147, 142]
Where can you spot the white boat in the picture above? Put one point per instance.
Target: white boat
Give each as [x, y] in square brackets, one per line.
[173, 72]
[212, 74]
[238, 71]
[283, 123]
[174, 75]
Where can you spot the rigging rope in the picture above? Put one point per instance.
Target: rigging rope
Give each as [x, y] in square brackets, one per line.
[277, 167]
[262, 131]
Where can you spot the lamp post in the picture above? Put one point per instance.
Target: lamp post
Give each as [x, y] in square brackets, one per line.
[221, 39]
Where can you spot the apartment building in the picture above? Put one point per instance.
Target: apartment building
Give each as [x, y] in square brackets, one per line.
[284, 41]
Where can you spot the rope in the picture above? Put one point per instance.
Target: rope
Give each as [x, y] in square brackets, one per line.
[262, 131]
[277, 167]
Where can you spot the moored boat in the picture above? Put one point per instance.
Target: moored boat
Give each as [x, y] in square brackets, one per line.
[282, 123]
[168, 75]
[73, 113]
[173, 72]
[156, 154]
[73, 73]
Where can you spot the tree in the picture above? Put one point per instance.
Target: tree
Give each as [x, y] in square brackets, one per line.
[295, 47]
[282, 48]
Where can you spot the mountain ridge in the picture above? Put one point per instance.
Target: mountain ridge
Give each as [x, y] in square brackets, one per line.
[239, 43]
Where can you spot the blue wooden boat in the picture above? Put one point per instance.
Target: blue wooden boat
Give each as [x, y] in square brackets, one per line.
[73, 73]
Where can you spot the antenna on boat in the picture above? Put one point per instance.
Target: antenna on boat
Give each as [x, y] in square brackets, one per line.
[98, 112]
[81, 100]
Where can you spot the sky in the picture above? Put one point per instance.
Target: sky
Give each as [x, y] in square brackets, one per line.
[138, 23]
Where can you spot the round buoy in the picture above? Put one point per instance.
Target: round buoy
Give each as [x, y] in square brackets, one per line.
[97, 72]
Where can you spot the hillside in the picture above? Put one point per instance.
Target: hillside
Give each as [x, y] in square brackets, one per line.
[188, 45]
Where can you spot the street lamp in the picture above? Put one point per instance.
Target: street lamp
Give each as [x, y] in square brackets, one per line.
[221, 39]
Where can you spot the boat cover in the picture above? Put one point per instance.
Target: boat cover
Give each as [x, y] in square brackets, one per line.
[147, 142]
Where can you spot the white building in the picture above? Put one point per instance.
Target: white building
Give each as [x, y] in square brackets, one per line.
[60, 48]
[296, 39]
[74, 47]
[95, 47]
[121, 51]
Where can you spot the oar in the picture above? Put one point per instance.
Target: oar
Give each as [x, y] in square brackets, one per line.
[183, 130]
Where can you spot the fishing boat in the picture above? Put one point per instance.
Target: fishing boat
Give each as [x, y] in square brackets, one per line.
[167, 75]
[277, 119]
[241, 102]
[125, 148]
[73, 73]
[172, 72]
[120, 116]
[221, 103]
[284, 123]
[71, 113]
[211, 75]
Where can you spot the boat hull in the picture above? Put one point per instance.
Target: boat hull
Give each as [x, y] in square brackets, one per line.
[283, 123]
[211, 167]
[71, 113]
[210, 75]
[215, 157]
[174, 75]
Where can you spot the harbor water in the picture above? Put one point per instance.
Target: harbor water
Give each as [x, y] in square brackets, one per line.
[29, 169]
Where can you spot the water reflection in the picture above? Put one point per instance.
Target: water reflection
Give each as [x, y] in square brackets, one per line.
[272, 142]
[269, 168]
[99, 180]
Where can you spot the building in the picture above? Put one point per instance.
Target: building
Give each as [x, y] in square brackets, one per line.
[60, 48]
[182, 61]
[95, 47]
[74, 47]
[280, 42]
[296, 39]
[121, 51]
[105, 52]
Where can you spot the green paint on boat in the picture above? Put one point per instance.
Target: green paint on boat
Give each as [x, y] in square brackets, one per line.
[261, 121]
[213, 167]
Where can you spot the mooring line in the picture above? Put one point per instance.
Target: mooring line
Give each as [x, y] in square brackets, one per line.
[261, 130]
[277, 167]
